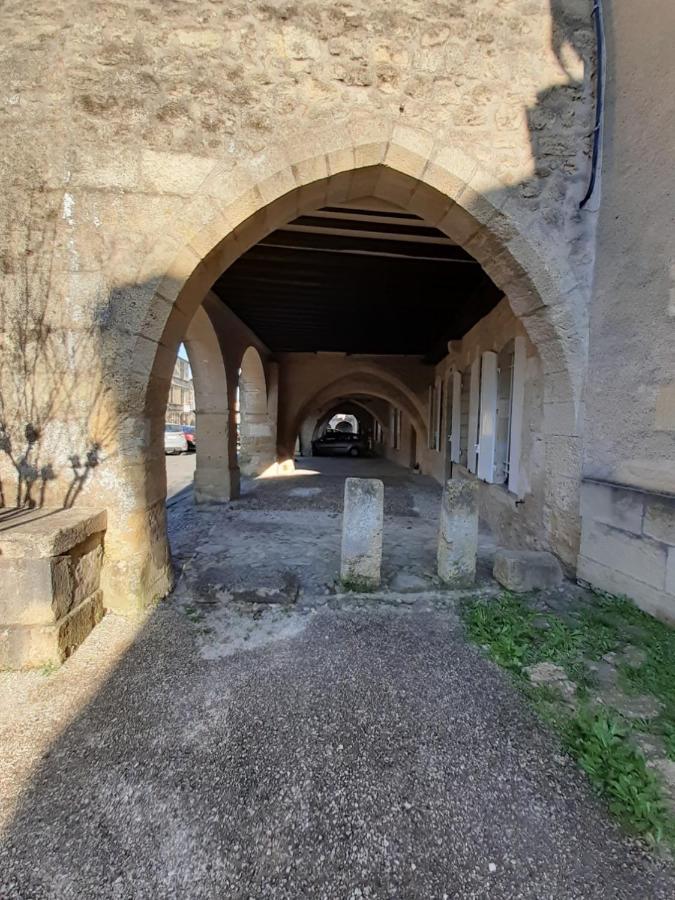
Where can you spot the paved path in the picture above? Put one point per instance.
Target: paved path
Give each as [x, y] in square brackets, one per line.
[180, 471]
[366, 753]
[335, 751]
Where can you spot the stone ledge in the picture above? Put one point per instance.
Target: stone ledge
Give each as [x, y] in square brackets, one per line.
[39, 533]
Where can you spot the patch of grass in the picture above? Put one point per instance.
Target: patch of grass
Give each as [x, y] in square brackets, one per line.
[194, 615]
[656, 675]
[516, 636]
[597, 740]
[356, 585]
[49, 668]
[667, 732]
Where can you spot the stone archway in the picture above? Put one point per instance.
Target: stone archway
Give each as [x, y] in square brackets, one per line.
[212, 480]
[405, 167]
[356, 407]
[361, 383]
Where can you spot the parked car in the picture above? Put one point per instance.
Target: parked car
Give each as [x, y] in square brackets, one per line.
[174, 439]
[190, 436]
[340, 443]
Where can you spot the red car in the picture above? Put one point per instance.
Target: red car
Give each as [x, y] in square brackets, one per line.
[190, 436]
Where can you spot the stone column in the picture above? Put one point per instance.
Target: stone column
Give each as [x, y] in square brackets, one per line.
[362, 522]
[458, 533]
[213, 481]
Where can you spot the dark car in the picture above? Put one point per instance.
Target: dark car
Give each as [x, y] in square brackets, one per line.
[190, 436]
[340, 443]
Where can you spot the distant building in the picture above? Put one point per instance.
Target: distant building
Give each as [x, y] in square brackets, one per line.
[180, 409]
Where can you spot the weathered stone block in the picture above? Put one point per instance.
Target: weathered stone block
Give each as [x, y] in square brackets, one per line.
[85, 570]
[670, 572]
[458, 533]
[34, 591]
[526, 570]
[37, 533]
[612, 505]
[29, 646]
[657, 603]
[659, 520]
[50, 567]
[362, 523]
[639, 557]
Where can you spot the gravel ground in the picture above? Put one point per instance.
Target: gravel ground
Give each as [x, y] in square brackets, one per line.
[329, 750]
[359, 752]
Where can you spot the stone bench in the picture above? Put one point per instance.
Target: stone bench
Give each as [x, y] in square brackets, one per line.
[50, 599]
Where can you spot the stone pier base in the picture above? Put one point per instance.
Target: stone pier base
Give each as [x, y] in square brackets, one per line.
[362, 523]
[50, 567]
[458, 534]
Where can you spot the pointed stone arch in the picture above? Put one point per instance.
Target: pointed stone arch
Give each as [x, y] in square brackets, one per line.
[360, 383]
[212, 479]
[257, 450]
[234, 208]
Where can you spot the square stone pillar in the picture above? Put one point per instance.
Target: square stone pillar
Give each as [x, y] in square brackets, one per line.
[50, 567]
[458, 533]
[362, 523]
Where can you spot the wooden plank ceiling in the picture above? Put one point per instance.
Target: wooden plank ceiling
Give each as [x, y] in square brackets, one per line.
[362, 278]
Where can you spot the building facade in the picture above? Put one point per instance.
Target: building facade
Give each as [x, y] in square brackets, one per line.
[180, 407]
[154, 192]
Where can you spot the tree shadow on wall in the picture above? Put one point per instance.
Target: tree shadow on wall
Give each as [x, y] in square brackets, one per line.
[49, 382]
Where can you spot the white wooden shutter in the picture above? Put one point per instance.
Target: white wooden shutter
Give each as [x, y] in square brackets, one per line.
[474, 400]
[488, 416]
[517, 413]
[504, 396]
[439, 413]
[430, 418]
[456, 416]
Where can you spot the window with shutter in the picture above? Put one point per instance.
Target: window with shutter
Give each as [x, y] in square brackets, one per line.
[504, 398]
[474, 411]
[438, 414]
[488, 416]
[396, 428]
[456, 419]
[464, 417]
[515, 482]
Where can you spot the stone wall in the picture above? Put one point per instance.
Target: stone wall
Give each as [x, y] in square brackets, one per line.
[629, 427]
[628, 545]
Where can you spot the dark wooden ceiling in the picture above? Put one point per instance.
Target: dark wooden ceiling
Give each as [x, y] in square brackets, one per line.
[359, 279]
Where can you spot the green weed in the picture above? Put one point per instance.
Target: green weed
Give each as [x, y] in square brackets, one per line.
[49, 668]
[356, 585]
[598, 742]
[517, 636]
[194, 615]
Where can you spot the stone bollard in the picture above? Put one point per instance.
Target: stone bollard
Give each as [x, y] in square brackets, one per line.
[458, 533]
[362, 520]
